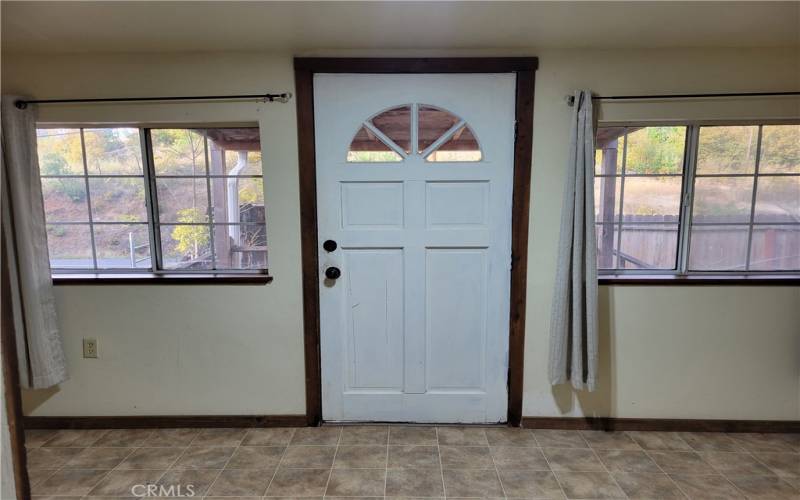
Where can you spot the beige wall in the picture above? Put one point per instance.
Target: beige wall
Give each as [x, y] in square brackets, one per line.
[668, 352]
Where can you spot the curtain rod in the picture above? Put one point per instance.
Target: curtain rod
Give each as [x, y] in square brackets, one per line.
[571, 99]
[284, 97]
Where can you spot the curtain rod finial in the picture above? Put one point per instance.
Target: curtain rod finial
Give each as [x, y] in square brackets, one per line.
[285, 97]
[20, 104]
[570, 100]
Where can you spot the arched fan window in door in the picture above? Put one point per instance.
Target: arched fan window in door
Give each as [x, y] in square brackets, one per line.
[440, 136]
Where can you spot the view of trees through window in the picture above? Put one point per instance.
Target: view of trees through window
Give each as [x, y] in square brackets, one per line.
[101, 196]
[744, 187]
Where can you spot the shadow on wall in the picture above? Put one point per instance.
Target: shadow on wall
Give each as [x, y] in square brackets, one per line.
[599, 402]
[34, 398]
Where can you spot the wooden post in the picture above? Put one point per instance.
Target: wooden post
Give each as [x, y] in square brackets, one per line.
[216, 166]
[608, 197]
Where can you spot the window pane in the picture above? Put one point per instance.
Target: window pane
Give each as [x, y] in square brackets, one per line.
[65, 200]
[433, 123]
[121, 246]
[727, 150]
[718, 248]
[118, 199]
[610, 145]
[461, 146]
[232, 197]
[182, 200]
[606, 246]
[59, 151]
[778, 199]
[178, 152]
[113, 151]
[649, 246]
[366, 147]
[241, 246]
[652, 199]
[70, 246]
[722, 199]
[186, 247]
[655, 150]
[780, 149]
[606, 198]
[775, 248]
[396, 125]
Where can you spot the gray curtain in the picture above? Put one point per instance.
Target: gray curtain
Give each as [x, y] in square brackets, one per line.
[39, 348]
[573, 321]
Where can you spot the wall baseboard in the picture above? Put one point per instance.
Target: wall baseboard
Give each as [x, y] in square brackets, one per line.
[660, 424]
[163, 421]
[570, 423]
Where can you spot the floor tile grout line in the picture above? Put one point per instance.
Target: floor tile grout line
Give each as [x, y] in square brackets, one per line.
[608, 471]
[275, 471]
[330, 472]
[441, 465]
[109, 471]
[553, 472]
[496, 470]
[647, 454]
[216, 478]
[386, 468]
[280, 461]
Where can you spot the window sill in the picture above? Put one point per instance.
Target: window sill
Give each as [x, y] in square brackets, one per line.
[721, 280]
[161, 279]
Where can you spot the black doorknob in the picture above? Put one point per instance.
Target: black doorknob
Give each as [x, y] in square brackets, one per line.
[329, 245]
[333, 273]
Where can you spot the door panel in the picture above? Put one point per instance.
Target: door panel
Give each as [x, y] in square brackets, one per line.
[456, 318]
[416, 327]
[375, 318]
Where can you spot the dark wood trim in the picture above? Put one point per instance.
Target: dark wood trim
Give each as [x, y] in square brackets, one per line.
[11, 381]
[700, 280]
[523, 151]
[161, 279]
[305, 68]
[304, 97]
[660, 424]
[395, 65]
[164, 421]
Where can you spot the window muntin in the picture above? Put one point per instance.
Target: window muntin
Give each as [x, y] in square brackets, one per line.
[746, 206]
[639, 173]
[736, 209]
[440, 137]
[193, 203]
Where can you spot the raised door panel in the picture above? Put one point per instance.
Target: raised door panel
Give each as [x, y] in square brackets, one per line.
[456, 318]
[374, 314]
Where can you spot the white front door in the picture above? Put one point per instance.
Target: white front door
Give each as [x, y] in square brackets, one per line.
[414, 185]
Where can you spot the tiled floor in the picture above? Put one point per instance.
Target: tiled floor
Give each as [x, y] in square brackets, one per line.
[409, 461]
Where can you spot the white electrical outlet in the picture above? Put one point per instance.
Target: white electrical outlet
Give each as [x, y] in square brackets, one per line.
[89, 348]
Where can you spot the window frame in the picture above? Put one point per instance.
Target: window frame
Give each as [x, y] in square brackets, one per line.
[682, 274]
[156, 273]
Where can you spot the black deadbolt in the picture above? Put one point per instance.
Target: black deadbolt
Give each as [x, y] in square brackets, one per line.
[329, 245]
[333, 273]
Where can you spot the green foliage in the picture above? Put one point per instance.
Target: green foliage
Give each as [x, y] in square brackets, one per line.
[655, 150]
[53, 164]
[178, 151]
[190, 239]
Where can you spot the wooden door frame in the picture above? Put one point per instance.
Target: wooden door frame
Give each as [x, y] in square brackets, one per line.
[304, 70]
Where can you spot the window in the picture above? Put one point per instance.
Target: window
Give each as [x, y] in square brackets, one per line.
[164, 201]
[387, 137]
[698, 199]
